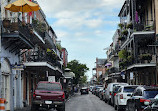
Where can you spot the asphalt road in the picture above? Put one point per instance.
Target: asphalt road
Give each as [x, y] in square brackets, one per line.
[87, 103]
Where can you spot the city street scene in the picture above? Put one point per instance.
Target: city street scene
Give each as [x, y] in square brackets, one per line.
[78, 55]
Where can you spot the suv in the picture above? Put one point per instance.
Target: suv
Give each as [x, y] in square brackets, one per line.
[84, 90]
[140, 96]
[123, 94]
[48, 95]
[110, 90]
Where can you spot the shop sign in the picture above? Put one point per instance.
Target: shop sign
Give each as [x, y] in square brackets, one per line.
[18, 67]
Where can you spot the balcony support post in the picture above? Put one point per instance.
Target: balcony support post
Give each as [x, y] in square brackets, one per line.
[0, 52]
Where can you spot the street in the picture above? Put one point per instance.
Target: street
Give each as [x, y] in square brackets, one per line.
[87, 103]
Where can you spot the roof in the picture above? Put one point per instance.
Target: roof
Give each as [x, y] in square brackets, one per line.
[121, 9]
[101, 61]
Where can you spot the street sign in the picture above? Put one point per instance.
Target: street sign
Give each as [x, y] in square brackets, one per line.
[18, 67]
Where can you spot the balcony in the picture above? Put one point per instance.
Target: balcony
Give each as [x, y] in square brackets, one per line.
[143, 60]
[40, 56]
[113, 55]
[16, 34]
[49, 42]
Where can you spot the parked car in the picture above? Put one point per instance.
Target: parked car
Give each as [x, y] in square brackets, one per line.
[101, 94]
[98, 91]
[84, 90]
[123, 94]
[113, 94]
[141, 95]
[110, 90]
[104, 94]
[48, 95]
[153, 105]
[95, 89]
[91, 88]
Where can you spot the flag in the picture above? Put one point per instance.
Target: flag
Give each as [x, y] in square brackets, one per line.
[136, 17]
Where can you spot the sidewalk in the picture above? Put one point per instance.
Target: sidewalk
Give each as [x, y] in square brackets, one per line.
[24, 109]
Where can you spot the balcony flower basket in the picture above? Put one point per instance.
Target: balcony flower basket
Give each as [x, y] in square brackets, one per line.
[121, 25]
[14, 26]
[121, 38]
[130, 25]
[6, 23]
[125, 32]
[148, 28]
[146, 57]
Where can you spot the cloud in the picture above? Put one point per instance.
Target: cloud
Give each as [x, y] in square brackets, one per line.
[85, 27]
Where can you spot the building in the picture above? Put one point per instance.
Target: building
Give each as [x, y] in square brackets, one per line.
[100, 70]
[114, 74]
[138, 27]
[29, 54]
[15, 37]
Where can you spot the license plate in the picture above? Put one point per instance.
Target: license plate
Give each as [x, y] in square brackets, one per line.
[48, 102]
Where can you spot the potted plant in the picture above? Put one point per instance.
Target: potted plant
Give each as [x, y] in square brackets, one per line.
[120, 25]
[147, 57]
[6, 23]
[125, 32]
[130, 25]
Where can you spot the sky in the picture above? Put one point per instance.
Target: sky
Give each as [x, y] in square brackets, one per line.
[85, 27]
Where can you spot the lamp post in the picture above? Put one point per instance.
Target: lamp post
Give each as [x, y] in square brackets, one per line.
[0, 53]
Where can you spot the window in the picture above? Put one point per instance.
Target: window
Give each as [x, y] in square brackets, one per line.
[139, 92]
[128, 89]
[4, 86]
[49, 87]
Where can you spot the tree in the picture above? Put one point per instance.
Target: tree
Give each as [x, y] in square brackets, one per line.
[79, 69]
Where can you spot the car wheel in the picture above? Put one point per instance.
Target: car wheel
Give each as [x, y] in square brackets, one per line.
[118, 108]
[34, 107]
[115, 107]
[61, 108]
[109, 101]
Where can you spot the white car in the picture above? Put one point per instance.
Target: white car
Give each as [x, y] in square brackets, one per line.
[110, 90]
[123, 94]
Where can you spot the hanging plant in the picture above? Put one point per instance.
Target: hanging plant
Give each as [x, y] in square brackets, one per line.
[145, 56]
[125, 32]
[121, 25]
[130, 25]
[122, 54]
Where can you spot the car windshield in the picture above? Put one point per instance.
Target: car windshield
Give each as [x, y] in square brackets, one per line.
[150, 94]
[129, 89]
[49, 87]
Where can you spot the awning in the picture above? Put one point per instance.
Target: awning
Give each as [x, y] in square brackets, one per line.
[108, 64]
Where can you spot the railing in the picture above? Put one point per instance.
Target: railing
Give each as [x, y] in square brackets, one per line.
[148, 60]
[50, 41]
[13, 25]
[39, 56]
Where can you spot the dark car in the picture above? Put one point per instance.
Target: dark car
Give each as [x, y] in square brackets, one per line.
[48, 95]
[84, 90]
[140, 96]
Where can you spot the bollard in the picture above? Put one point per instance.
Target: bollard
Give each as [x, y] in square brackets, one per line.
[2, 104]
